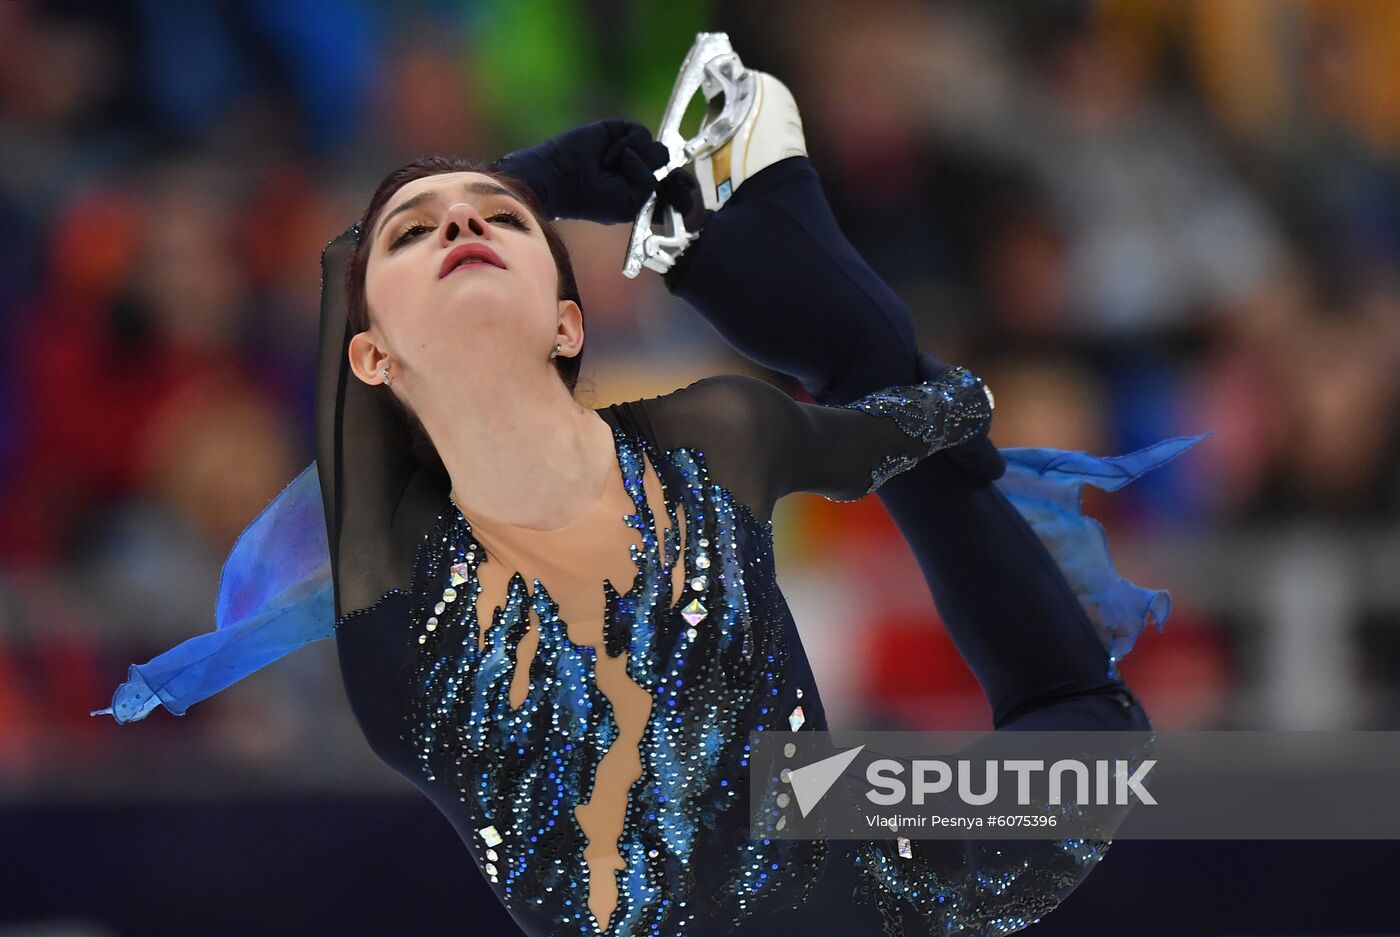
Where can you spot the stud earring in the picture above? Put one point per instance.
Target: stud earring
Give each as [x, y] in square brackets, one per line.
[555, 352]
[385, 371]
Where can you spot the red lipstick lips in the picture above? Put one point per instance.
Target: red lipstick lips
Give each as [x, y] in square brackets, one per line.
[466, 251]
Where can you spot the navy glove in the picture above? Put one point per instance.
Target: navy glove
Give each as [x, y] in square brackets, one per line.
[600, 172]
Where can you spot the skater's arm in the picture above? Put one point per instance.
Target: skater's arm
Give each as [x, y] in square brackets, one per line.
[367, 469]
[601, 171]
[762, 444]
[845, 452]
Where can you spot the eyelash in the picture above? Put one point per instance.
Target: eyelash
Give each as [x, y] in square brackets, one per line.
[514, 216]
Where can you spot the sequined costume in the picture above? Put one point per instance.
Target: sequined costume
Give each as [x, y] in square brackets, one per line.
[708, 643]
[609, 787]
[510, 749]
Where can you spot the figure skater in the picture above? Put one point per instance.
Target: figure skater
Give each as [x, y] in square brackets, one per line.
[562, 624]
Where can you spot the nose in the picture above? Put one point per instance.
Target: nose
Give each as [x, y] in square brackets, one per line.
[459, 218]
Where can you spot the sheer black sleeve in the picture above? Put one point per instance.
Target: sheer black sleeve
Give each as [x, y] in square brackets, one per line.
[379, 497]
[761, 444]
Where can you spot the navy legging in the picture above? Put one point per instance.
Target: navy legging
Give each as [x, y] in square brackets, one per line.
[778, 280]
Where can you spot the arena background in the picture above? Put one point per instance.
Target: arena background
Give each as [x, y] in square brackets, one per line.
[1137, 219]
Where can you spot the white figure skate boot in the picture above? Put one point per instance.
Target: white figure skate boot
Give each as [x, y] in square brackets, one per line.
[751, 122]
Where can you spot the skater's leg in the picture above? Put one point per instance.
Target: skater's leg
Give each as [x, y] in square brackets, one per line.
[775, 276]
[1006, 604]
[777, 279]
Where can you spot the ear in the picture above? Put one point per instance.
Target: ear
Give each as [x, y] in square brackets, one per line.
[367, 358]
[569, 333]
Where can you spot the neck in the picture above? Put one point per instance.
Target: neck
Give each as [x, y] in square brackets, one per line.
[520, 452]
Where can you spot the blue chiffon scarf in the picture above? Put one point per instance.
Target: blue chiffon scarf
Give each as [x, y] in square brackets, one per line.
[276, 592]
[275, 595]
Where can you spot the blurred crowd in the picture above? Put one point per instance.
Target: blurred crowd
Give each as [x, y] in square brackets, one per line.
[1137, 218]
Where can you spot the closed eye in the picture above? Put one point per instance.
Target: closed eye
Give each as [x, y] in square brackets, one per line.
[512, 217]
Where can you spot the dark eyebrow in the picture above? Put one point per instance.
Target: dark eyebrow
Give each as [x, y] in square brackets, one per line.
[472, 188]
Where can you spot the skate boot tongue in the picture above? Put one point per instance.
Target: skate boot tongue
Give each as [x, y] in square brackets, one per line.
[770, 130]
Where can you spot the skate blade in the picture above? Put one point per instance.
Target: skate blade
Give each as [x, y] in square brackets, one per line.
[657, 251]
[712, 68]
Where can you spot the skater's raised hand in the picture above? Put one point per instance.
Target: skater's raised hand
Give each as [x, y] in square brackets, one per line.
[602, 172]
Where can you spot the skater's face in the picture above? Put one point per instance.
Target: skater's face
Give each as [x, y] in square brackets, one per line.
[433, 317]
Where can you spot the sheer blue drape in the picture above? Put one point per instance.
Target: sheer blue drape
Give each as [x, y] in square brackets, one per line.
[1045, 485]
[275, 595]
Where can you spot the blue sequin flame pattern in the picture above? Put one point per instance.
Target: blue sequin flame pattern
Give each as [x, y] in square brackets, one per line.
[718, 664]
[521, 771]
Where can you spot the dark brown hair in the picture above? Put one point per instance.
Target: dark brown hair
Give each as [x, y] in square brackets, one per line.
[358, 306]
